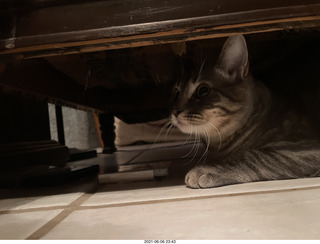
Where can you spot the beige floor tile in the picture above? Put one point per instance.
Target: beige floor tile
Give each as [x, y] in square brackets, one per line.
[21, 225]
[38, 197]
[151, 191]
[39, 201]
[284, 215]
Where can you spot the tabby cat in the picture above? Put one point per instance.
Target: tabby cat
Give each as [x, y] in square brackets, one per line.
[251, 135]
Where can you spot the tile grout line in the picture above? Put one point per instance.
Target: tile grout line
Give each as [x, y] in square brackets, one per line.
[77, 206]
[194, 198]
[46, 228]
[36, 209]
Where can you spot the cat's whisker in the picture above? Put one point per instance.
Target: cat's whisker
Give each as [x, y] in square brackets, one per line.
[186, 141]
[194, 119]
[205, 153]
[201, 67]
[166, 136]
[205, 143]
[207, 137]
[194, 146]
[161, 122]
[161, 131]
[207, 150]
[218, 132]
[196, 152]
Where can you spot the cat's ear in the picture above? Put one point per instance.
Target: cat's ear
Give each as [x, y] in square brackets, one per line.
[233, 60]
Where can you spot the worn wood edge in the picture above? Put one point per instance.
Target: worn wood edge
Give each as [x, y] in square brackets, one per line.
[135, 43]
[162, 40]
[178, 35]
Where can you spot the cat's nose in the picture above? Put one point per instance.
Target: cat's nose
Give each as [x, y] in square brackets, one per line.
[176, 112]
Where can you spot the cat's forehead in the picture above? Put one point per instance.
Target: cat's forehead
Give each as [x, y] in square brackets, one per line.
[191, 81]
[188, 87]
[194, 81]
[195, 77]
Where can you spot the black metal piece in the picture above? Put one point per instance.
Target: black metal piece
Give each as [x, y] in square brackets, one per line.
[108, 134]
[60, 126]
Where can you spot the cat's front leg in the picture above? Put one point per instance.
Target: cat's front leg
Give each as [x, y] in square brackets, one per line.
[202, 177]
[208, 176]
[276, 161]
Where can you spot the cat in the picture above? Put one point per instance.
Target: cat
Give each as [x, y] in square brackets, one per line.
[251, 134]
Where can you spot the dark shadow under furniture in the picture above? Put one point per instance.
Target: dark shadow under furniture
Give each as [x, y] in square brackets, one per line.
[122, 57]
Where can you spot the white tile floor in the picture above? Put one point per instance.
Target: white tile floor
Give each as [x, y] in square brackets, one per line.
[285, 215]
[288, 209]
[22, 225]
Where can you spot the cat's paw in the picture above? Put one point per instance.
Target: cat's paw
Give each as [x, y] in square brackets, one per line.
[202, 177]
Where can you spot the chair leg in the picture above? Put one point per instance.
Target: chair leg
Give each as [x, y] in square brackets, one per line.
[108, 134]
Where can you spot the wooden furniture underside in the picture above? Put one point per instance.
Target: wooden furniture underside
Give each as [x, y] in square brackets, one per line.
[40, 28]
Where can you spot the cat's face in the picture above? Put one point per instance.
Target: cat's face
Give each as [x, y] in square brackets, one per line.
[217, 98]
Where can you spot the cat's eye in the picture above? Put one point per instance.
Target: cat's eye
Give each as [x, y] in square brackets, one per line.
[203, 90]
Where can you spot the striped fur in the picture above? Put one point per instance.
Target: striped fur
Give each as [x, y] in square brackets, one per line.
[252, 135]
